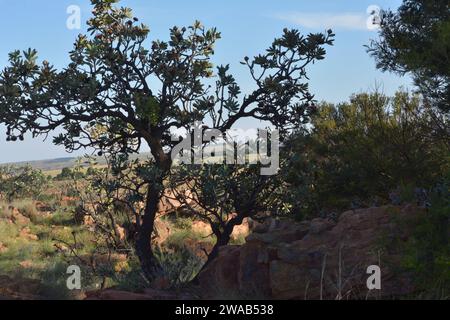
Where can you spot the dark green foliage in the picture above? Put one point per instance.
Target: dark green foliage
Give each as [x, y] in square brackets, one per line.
[357, 152]
[224, 195]
[427, 252]
[69, 174]
[416, 40]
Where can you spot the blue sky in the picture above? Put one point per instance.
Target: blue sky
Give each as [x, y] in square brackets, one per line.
[247, 26]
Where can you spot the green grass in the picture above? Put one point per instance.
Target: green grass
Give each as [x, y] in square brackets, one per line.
[40, 259]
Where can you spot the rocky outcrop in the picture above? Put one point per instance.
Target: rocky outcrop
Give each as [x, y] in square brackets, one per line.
[18, 288]
[318, 259]
[26, 234]
[17, 217]
[242, 230]
[147, 294]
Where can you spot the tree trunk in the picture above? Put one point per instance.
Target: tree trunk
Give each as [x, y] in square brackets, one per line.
[223, 238]
[150, 266]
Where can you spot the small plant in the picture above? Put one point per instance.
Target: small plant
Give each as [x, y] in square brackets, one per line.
[179, 266]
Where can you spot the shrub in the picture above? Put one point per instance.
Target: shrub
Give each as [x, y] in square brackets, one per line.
[179, 266]
[427, 252]
[357, 152]
[21, 182]
[69, 174]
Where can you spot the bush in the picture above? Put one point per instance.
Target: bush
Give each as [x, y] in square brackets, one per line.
[357, 152]
[69, 174]
[427, 252]
[179, 266]
[21, 182]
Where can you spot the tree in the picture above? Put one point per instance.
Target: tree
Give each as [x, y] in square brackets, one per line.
[116, 94]
[357, 152]
[416, 40]
[224, 195]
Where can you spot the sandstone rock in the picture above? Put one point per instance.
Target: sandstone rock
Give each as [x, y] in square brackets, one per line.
[282, 234]
[25, 233]
[201, 227]
[169, 202]
[27, 264]
[316, 260]
[3, 248]
[147, 294]
[221, 279]
[239, 231]
[88, 220]
[162, 231]
[19, 288]
[242, 230]
[254, 271]
[200, 248]
[120, 232]
[320, 225]
[17, 217]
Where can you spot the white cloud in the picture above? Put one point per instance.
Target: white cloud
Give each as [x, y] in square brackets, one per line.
[347, 21]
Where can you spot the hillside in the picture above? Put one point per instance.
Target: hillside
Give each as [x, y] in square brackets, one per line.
[60, 163]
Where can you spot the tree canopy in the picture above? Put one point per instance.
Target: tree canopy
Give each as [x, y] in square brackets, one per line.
[122, 91]
[416, 40]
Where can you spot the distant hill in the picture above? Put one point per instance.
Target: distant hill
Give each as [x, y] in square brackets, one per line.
[60, 163]
[47, 165]
[54, 165]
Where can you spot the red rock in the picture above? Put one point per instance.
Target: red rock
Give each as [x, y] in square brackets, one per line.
[17, 217]
[221, 279]
[25, 233]
[201, 227]
[310, 260]
[3, 248]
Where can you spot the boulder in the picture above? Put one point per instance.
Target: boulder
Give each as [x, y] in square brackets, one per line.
[239, 231]
[26, 264]
[25, 233]
[17, 217]
[19, 288]
[242, 230]
[201, 227]
[318, 259]
[162, 231]
[169, 202]
[120, 232]
[3, 248]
